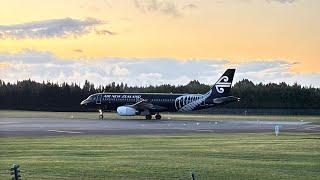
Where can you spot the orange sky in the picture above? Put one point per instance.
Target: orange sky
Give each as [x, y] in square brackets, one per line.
[236, 30]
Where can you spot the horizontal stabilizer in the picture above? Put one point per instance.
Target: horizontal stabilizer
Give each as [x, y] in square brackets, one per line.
[222, 100]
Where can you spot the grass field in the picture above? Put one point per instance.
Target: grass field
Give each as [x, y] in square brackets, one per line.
[174, 116]
[210, 156]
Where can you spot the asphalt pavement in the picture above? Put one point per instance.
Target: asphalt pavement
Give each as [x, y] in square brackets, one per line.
[54, 126]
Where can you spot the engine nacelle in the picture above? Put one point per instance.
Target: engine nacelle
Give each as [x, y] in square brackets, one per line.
[126, 111]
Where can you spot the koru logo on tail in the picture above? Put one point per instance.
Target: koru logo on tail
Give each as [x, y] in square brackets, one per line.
[223, 83]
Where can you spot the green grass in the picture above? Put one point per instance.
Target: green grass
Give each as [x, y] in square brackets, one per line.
[174, 116]
[210, 156]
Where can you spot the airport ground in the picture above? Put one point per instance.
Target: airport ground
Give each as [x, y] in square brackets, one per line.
[200, 148]
[165, 116]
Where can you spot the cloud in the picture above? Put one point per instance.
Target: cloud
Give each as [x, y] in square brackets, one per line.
[44, 66]
[268, 1]
[119, 71]
[105, 32]
[167, 7]
[267, 66]
[4, 65]
[282, 1]
[78, 50]
[53, 28]
[190, 6]
[266, 71]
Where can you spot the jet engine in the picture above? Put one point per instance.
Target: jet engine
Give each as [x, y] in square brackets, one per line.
[126, 111]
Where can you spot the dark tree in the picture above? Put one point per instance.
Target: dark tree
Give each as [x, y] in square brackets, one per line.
[31, 95]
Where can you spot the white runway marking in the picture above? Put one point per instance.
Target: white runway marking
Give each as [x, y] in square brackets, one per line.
[9, 122]
[70, 132]
[204, 130]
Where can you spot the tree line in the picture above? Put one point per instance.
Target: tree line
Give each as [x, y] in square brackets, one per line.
[31, 95]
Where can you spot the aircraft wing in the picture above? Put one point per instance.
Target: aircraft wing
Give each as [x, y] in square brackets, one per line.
[143, 105]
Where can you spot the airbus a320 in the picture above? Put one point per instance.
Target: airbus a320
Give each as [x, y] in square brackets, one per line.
[152, 104]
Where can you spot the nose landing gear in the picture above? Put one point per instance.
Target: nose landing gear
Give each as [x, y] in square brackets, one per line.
[100, 114]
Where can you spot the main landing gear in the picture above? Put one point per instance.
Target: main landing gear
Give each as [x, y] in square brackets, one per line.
[158, 116]
[100, 114]
[149, 116]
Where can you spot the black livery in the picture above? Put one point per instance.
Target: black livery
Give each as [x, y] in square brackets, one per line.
[148, 104]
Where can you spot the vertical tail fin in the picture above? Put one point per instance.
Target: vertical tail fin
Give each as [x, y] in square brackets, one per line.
[222, 87]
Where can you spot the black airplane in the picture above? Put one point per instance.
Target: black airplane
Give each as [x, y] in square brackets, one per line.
[148, 104]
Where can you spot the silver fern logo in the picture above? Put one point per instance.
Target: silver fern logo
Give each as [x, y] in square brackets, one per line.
[222, 83]
[191, 101]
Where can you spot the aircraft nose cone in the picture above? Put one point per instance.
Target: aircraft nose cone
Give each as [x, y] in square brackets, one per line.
[84, 102]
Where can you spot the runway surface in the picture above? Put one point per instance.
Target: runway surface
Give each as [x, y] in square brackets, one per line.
[53, 126]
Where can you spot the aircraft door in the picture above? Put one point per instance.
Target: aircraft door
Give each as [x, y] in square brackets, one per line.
[98, 100]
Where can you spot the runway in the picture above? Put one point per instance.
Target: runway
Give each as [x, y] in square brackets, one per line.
[54, 126]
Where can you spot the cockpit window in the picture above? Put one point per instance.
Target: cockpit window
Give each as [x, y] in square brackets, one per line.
[92, 98]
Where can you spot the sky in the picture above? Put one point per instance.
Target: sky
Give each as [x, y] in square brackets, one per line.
[153, 42]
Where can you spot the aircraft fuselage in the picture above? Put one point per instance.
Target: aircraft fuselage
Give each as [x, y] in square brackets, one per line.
[148, 104]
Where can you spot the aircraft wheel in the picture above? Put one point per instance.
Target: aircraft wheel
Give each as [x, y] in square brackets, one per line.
[149, 116]
[100, 114]
[158, 116]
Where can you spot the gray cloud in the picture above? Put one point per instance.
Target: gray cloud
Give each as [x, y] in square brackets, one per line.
[164, 6]
[49, 28]
[105, 32]
[45, 66]
[258, 66]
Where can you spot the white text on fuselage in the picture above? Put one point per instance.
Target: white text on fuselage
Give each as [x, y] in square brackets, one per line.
[122, 96]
